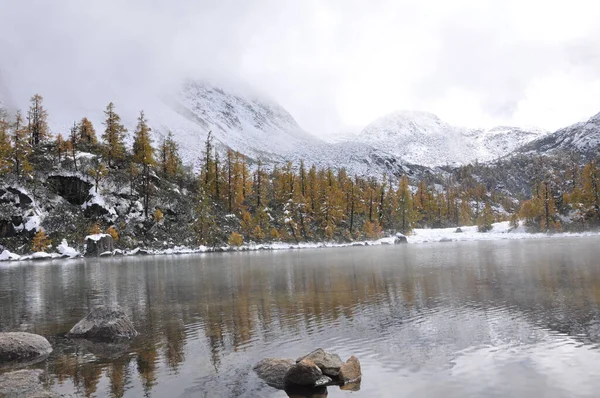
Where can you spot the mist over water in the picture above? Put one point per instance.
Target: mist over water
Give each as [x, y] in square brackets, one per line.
[462, 319]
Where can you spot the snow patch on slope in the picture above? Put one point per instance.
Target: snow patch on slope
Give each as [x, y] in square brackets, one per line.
[422, 138]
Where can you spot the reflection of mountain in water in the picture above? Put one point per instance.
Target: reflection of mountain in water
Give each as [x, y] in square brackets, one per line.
[400, 309]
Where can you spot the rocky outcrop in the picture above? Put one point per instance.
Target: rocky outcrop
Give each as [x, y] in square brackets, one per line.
[273, 370]
[24, 199]
[95, 245]
[310, 374]
[24, 383]
[350, 371]
[305, 373]
[75, 190]
[400, 239]
[23, 347]
[7, 229]
[328, 363]
[104, 323]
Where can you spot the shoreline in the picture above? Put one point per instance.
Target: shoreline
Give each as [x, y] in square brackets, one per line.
[500, 231]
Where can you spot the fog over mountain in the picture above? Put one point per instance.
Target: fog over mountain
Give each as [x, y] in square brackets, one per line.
[333, 65]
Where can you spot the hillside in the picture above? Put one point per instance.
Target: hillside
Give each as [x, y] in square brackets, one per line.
[582, 138]
[423, 138]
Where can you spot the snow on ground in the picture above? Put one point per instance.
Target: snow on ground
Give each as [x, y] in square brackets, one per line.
[33, 223]
[500, 231]
[95, 237]
[67, 250]
[98, 199]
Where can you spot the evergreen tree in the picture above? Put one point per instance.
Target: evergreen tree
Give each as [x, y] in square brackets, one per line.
[591, 191]
[114, 136]
[97, 171]
[40, 242]
[21, 146]
[170, 162]
[205, 225]
[143, 154]
[73, 142]
[6, 149]
[405, 213]
[61, 147]
[37, 118]
[87, 133]
[486, 219]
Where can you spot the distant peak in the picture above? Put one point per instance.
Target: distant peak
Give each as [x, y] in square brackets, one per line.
[406, 114]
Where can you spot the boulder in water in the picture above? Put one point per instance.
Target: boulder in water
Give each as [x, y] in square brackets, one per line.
[350, 371]
[273, 370]
[23, 347]
[304, 373]
[24, 383]
[104, 323]
[328, 363]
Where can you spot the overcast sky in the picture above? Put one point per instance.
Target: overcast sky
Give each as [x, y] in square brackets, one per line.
[334, 64]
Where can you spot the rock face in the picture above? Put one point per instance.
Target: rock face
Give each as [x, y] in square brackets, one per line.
[105, 323]
[328, 363]
[304, 373]
[400, 239]
[73, 189]
[98, 244]
[273, 370]
[24, 383]
[19, 346]
[350, 371]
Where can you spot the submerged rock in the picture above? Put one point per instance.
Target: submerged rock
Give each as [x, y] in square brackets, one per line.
[306, 392]
[328, 363]
[304, 373]
[273, 370]
[96, 245]
[24, 383]
[350, 371]
[353, 386]
[23, 347]
[104, 323]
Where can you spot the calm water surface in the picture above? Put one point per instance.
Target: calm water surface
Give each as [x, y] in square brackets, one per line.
[463, 319]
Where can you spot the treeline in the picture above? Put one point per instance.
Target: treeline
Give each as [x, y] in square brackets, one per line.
[565, 200]
[235, 199]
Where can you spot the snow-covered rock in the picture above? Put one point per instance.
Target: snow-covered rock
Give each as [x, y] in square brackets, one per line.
[98, 244]
[67, 250]
[5, 255]
[41, 256]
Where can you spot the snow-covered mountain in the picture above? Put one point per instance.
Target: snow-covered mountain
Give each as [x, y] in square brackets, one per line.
[239, 118]
[422, 138]
[243, 121]
[583, 138]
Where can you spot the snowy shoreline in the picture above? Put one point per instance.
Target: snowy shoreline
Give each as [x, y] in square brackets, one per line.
[500, 231]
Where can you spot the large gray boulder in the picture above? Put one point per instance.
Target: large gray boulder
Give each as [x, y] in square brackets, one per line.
[305, 373]
[24, 383]
[95, 245]
[273, 370]
[23, 347]
[105, 323]
[328, 363]
[350, 371]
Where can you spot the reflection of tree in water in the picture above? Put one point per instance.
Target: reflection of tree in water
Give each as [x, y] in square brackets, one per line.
[118, 374]
[232, 304]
